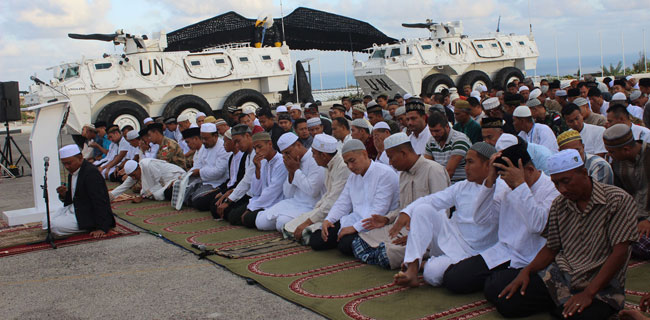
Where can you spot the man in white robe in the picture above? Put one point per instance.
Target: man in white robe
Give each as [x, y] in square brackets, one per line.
[533, 132]
[304, 186]
[156, 176]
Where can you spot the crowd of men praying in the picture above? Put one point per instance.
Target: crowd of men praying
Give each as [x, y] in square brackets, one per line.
[534, 194]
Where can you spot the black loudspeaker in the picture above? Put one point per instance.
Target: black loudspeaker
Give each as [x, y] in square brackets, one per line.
[9, 101]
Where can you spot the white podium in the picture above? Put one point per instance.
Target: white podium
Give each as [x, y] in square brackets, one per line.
[43, 142]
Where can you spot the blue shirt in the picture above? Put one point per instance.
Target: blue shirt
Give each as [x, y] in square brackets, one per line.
[539, 154]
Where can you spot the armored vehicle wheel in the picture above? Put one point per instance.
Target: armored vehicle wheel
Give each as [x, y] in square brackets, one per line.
[436, 83]
[186, 104]
[507, 75]
[123, 113]
[246, 97]
[474, 79]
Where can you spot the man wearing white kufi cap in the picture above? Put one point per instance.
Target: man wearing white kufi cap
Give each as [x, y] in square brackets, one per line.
[380, 131]
[236, 170]
[384, 244]
[157, 177]
[85, 198]
[580, 271]
[304, 186]
[533, 132]
[324, 150]
[314, 126]
[200, 117]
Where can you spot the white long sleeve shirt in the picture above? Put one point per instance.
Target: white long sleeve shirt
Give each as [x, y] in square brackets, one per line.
[419, 143]
[233, 171]
[273, 173]
[212, 164]
[376, 192]
[541, 134]
[308, 184]
[521, 215]
[592, 137]
[156, 176]
[462, 195]
[244, 186]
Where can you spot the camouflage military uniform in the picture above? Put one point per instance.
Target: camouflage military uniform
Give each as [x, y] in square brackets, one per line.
[554, 121]
[553, 105]
[171, 152]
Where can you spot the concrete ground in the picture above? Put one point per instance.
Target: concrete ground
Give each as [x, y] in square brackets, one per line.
[134, 277]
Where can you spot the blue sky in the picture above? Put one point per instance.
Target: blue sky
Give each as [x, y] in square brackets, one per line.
[34, 36]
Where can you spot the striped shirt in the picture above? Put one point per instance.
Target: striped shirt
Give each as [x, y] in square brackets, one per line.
[457, 144]
[599, 169]
[630, 176]
[584, 240]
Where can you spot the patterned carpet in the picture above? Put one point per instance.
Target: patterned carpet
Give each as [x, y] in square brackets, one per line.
[328, 283]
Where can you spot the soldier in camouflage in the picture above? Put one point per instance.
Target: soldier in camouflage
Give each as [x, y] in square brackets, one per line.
[548, 117]
[169, 149]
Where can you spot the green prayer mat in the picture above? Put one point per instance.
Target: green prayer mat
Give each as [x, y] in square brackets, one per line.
[329, 283]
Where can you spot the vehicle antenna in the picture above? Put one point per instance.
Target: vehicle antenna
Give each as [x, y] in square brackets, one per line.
[530, 24]
[498, 23]
[284, 38]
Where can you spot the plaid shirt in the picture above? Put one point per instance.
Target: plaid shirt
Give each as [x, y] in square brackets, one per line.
[457, 144]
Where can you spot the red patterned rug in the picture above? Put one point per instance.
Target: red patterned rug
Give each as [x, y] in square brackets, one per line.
[28, 238]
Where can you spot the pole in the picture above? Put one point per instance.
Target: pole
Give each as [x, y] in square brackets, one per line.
[602, 66]
[645, 59]
[623, 51]
[579, 59]
[284, 38]
[320, 73]
[345, 69]
[557, 63]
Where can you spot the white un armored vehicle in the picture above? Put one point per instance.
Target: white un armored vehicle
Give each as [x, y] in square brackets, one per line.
[446, 59]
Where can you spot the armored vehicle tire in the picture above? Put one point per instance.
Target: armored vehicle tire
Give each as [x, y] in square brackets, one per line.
[474, 79]
[435, 83]
[123, 113]
[186, 104]
[246, 97]
[507, 75]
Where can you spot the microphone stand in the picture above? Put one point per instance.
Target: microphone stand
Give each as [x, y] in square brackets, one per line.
[49, 238]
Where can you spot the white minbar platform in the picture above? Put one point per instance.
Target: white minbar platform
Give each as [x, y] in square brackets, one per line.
[42, 142]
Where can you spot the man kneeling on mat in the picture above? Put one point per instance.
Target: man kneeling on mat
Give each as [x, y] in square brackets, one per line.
[156, 176]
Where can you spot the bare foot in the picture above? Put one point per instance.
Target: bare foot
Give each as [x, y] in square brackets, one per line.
[408, 278]
[136, 200]
[632, 315]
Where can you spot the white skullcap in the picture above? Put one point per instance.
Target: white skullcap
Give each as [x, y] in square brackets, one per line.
[183, 117]
[208, 128]
[372, 103]
[289, 104]
[522, 112]
[220, 122]
[407, 96]
[228, 134]
[130, 166]
[523, 88]
[286, 140]
[506, 141]
[535, 93]
[564, 161]
[396, 140]
[200, 114]
[307, 105]
[381, 125]
[453, 89]
[628, 78]
[619, 96]
[193, 125]
[247, 109]
[296, 107]
[611, 83]
[324, 143]
[483, 88]
[400, 111]
[560, 93]
[636, 94]
[455, 96]
[132, 135]
[316, 121]
[352, 145]
[602, 87]
[475, 94]
[147, 120]
[490, 103]
[580, 101]
[565, 85]
[361, 123]
[281, 109]
[68, 151]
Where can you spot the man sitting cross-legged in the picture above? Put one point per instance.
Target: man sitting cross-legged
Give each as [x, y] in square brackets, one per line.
[236, 171]
[580, 272]
[156, 176]
[384, 244]
[516, 196]
[85, 198]
[325, 152]
[372, 188]
[304, 186]
[448, 240]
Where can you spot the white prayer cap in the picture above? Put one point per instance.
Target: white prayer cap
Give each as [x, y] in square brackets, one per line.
[482, 88]
[505, 141]
[455, 96]
[602, 87]
[281, 109]
[228, 134]
[193, 125]
[314, 122]
[372, 103]
[611, 83]
[636, 94]
[352, 145]
[407, 96]
[580, 101]
[396, 140]
[68, 151]
[324, 143]
[535, 93]
[564, 161]
[628, 78]
[307, 105]
[247, 109]
[183, 117]
[220, 122]
[147, 120]
[200, 114]
[289, 104]
[475, 94]
[286, 140]
[453, 90]
[522, 112]
[560, 93]
[400, 111]
[130, 166]
[296, 107]
[533, 103]
[361, 123]
[132, 135]
[523, 88]
[565, 85]
[619, 96]
[381, 125]
[208, 127]
[490, 103]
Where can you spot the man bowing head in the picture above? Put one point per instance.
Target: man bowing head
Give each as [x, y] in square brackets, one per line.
[85, 198]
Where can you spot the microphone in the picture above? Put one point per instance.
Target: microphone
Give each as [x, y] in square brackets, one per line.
[46, 159]
[37, 80]
[199, 247]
